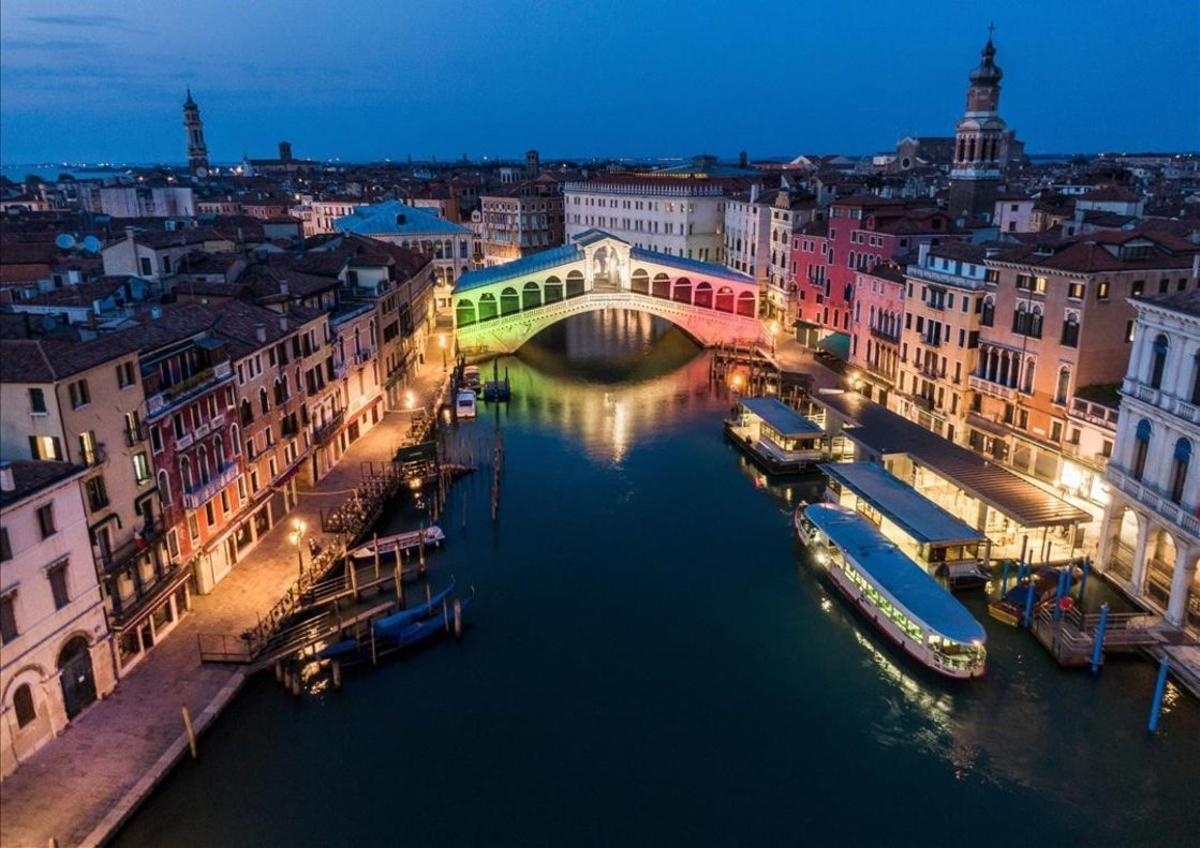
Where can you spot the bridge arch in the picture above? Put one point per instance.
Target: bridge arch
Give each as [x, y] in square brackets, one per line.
[704, 295]
[487, 307]
[724, 300]
[574, 284]
[661, 286]
[640, 281]
[747, 304]
[553, 290]
[510, 301]
[682, 291]
[464, 312]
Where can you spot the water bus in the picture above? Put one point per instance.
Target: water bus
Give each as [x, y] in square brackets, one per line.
[893, 592]
[944, 545]
[776, 437]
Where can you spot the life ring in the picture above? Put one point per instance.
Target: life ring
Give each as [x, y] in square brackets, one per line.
[1065, 603]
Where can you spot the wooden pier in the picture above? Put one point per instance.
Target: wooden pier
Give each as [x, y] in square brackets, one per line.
[1071, 638]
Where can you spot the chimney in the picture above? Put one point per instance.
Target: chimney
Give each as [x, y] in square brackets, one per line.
[260, 331]
[283, 287]
[7, 483]
[754, 192]
[129, 231]
[283, 323]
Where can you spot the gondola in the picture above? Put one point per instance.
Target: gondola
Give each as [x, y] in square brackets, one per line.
[405, 541]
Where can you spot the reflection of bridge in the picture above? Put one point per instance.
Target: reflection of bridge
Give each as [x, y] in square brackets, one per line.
[498, 309]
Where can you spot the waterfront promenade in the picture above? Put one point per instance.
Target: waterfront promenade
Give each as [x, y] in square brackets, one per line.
[80, 787]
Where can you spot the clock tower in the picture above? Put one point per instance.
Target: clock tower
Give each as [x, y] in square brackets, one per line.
[197, 152]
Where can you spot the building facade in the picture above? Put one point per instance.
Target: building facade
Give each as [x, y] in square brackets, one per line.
[1151, 528]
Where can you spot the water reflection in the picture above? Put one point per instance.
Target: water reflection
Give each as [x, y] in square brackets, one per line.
[650, 375]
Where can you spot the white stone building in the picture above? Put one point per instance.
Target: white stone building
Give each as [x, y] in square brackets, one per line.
[1150, 539]
[56, 656]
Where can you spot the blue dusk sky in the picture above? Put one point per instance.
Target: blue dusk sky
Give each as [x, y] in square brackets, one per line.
[86, 81]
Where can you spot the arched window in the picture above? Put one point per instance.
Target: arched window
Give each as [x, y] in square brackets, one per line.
[23, 705]
[1159, 363]
[553, 292]
[1035, 322]
[464, 313]
[703, 296]
[1020, 322]
[1179, 468]
[747, 304]
[219, 452]
[202, 465]
[487, 307]
[1196, 379]
[185, 474]
[164, 487]
[724, 299]
[1030, 368]
[263, 405]
[1140, 448]
[641, 281]
[235, 436]
[510, 301]
[682, 291]
[531, 296]
[987, 316]
[1063, 386]
[661, 286]
[574, 284]
[1070, 330]
[247, 412]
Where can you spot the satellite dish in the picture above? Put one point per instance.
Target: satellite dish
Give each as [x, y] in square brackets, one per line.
[64, 241]
[91, 244]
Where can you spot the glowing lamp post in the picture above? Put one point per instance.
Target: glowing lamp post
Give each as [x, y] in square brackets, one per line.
[442, 345]
[296, 537]
[774, 328]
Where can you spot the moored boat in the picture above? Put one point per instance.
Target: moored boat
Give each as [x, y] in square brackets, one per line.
[392, 625]
[898, 596]
[464, 404]
[1010, 608]
[776, 437]
[407, 541]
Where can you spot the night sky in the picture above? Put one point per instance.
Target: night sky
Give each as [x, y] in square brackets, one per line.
[361, 81]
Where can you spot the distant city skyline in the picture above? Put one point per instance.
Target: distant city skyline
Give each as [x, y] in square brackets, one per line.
[87, 82]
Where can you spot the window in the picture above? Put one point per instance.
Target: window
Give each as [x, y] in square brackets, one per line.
[1179, 469]
[1159, 363]
[146, 269]
[1075, 291]
[23, 705]
[5, 547]
[1196, 379]
[57, 575]
[45, 517]
[141, 468]
[125, 376]
[97, 494]
[1070, 330]
[37, 402]
[987, 316]
[164, 487]
[1137, 287]
[8, 618]
[1102, 290]
[45, 447]
[80, 396]
[1063, 387]
[1140, 448]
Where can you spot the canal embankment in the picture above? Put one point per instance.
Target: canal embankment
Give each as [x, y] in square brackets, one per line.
[81, 787]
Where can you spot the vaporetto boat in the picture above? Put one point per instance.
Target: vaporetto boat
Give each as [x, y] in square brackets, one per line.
[891, 590]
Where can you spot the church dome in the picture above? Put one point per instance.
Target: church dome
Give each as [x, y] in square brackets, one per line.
[988, 72]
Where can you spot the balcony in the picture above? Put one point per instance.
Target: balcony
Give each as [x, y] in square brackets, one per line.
[135, 436]
[932, 372]
[1099, 414]
[197, 496]
[93, 455]
[931, 276]
[184, 390]
[987, 387]
[923, 402]
[118, 558]
[1148, 496]
[363, 355]
[931, 341]
[325, 431]
[1162, 399]
[884, 335]
[146, 595]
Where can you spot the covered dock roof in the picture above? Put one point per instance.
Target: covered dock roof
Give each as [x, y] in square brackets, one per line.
[887, 566]
[903, 505]
[884, 432]
[780, 417]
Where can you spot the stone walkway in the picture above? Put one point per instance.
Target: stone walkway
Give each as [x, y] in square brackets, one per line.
[80, 787]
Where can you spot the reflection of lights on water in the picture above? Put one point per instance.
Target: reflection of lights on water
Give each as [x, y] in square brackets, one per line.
[620, 431]
[826, 605]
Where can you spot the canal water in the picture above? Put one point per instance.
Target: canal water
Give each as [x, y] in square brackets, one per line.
[651, 660]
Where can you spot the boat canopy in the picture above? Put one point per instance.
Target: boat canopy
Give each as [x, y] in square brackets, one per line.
[780, 417]
[888, 568]
[919, 517]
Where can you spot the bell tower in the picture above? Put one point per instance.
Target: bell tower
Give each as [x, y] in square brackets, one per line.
[197, 152]
[982, 143]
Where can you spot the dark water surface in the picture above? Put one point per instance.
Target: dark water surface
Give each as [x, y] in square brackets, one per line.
[651, 661]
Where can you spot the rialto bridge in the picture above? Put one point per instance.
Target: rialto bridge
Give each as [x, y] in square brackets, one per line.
[496, 310]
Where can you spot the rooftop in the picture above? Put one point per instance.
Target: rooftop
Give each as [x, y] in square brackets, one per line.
[780, 417]
[395, 218]
[31, 477]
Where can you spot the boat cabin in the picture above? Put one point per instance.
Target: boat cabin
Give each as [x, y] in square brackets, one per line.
[777, 436]
[943, 544]
[464, 404]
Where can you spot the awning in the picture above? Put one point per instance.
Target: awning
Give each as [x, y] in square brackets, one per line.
[837, 344]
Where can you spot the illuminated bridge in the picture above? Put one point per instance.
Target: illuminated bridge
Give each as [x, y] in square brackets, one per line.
[496, 310]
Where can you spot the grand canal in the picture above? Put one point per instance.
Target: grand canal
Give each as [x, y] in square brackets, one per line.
[652, 661]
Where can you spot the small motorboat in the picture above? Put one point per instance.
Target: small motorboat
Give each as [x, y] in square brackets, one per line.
[393, 624]
[470, 377]
[388, 545]
[1010, 609]
[464, 404]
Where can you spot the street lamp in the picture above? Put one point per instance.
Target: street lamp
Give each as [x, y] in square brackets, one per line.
[774, 328]
[297, 538]
[442, 345]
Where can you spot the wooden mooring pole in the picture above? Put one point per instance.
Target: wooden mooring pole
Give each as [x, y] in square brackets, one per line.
[191, 731]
